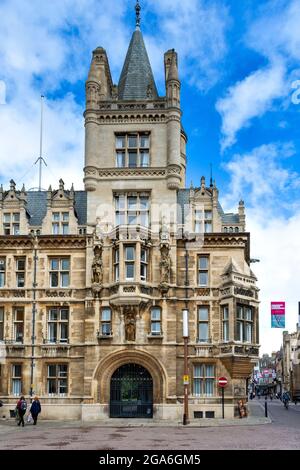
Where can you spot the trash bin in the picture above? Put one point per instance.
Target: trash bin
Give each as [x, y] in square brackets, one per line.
[12, 413]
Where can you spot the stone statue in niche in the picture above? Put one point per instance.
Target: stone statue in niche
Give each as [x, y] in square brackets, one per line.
[97, 266]
[130, 327]
[165, 264]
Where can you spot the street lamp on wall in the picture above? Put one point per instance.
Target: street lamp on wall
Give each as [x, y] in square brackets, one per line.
[185, 334]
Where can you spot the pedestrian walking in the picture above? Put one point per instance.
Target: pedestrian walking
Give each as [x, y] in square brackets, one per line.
[35, 409]
[21, 407]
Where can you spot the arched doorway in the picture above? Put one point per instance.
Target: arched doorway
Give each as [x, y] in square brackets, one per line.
[131, 392]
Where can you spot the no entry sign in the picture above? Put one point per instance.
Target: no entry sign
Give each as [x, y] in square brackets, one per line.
[222, 381]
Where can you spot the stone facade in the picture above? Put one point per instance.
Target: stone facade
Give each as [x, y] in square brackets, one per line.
[108, 271]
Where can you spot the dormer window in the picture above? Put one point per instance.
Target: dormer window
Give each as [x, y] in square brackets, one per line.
[132, 150]
[11, 223]
[203, 221]
[60, 223]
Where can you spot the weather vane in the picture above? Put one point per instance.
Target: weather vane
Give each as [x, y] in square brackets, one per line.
[138, 14]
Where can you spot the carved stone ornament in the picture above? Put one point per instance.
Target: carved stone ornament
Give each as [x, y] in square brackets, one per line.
[165, 266]
[130, 323]
[97, 270]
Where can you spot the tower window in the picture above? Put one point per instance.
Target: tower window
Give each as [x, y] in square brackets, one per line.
[132, 209]
[133, 150]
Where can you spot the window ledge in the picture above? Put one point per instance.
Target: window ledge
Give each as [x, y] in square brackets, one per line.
[155, 336]
[105, 337]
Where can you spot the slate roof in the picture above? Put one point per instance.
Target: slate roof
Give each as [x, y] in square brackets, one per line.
[37, 206]
[136, 77]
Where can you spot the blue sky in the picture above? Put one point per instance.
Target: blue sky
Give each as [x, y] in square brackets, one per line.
[239, 65]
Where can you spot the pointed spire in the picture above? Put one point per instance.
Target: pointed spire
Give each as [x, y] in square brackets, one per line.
[138, 15]
[137, 80]
[12, 185]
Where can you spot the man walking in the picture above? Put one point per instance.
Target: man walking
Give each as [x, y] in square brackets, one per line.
[21, 407]
[35, 409]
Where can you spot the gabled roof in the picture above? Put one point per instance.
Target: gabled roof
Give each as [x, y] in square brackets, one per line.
[136, 80]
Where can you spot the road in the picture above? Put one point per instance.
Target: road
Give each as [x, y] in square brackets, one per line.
[282, 433]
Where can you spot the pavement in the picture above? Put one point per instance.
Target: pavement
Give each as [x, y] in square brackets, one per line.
[280, 431]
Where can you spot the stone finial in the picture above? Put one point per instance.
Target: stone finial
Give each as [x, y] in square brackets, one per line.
[12, 185]
[61, 185]
[138, 15]
[23, 189]
[50, 188]
[203, 183]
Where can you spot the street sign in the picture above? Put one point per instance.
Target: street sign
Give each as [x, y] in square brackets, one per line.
[186, 380]
[222, 382]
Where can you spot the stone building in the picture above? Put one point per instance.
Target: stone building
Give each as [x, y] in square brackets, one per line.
[93, 282]
[291, 362]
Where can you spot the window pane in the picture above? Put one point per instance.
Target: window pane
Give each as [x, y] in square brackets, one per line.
[117, 273]
[65, 280]
[132, 218]
[53, 314]
[21, 265]
[52, 370]
[16, 387]
[65, 229]
[106, 314]
[55, 229]
[239, 312]
[62, 370]
[6, 218]
[203, 279]
[2, 264]
[203, 262]
[144, 141]
[225, 313]
[203, 313]
[198, 227]
[17, 370]
[208, 227]
[144, 159]
[144, 219]
[55, 216]
[248, 333]
[64, 314]
[120, 202]
[51, 386]
[208, 215]
[155, 313]
[19, 314]
[65, 216]
[52, 332]
[54, 265]
[129, 253]
[210, 370]
[144, 202]
[209, 387]
[62, 386]
[106, 329]
[197, 387]
[65, 264]
[132, 203]
[2, 279]
[64, 331]
[240, 331]
[144, 255]
[132, 159]
[203, 332]
[120, 141]
[155, 328]
[120, 159]
[130, 271]
[132, 141]
[16, 229]
[120, 218]
[54, 279]
[225, 331]
[248, 314]
[20, 280]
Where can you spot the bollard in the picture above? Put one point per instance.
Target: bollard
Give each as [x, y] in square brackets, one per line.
[266, 408]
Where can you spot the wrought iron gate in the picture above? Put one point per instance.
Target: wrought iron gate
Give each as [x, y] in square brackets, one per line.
[131, 392]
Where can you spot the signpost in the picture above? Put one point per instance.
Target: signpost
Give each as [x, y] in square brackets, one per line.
[222, 382]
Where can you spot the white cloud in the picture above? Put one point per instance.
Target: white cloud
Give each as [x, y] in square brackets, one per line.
[275, 241]
[197, 30]
[250, 98]
[276, 36]
[269, 188]
[262, 176]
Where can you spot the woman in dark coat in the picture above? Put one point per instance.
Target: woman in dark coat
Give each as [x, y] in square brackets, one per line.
[35, 409]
